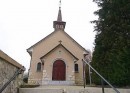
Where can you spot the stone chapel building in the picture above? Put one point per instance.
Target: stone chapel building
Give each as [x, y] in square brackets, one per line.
[57, 58]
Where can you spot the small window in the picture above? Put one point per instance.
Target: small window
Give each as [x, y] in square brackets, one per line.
[39, 66]
[76, 68]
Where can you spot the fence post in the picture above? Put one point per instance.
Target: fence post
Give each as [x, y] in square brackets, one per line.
[102, 82]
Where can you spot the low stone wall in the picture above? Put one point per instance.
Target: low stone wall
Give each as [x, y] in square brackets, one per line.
[7, 70]
[34, 82]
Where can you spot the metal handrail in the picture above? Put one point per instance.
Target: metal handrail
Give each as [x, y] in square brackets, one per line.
[101, 76]
[12, 78]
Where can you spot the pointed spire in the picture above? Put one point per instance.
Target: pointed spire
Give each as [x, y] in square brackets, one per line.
[59, 18]
[59, 24]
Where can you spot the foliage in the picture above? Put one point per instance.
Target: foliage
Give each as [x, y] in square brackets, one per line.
[112, 44]
[29, 86]
[25, 77]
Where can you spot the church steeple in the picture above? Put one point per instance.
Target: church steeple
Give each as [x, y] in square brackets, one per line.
[59, 24]
[59, 18]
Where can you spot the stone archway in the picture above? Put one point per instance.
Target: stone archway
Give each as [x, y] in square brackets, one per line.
[59, 71]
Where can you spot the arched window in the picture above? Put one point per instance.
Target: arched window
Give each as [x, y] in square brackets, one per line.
[39, 66]
[76, 68]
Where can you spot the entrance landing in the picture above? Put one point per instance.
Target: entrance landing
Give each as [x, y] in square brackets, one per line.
[53, 83]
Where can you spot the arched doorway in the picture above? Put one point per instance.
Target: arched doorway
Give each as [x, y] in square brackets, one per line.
[59, 70]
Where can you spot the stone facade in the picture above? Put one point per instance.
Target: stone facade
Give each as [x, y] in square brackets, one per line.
[7, 70]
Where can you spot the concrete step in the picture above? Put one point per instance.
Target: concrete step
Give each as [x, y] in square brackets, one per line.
[69, 89]
[40, 90]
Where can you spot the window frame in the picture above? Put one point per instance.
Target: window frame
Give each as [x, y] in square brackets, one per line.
[39, 67]
[76, 68]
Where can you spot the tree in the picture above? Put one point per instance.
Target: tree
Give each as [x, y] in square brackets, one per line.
[112, 44]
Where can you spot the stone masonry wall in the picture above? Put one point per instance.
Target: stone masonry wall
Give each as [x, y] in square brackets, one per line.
[7, 70]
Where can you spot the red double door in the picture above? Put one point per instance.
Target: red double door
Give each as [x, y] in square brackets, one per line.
[59, 70]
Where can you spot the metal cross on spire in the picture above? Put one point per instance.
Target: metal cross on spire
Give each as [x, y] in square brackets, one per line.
[59, 18]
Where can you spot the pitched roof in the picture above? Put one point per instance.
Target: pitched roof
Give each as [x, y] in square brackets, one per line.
[57, 47]
[50, 36]
[10, 60]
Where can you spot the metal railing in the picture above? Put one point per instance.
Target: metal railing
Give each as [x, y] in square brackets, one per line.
[19, 71]
[101, 77]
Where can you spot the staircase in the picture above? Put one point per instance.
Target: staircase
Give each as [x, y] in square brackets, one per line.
[58, 87]
[69, 89]
[54, 89]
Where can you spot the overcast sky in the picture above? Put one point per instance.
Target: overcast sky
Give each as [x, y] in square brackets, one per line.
[25, 22]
